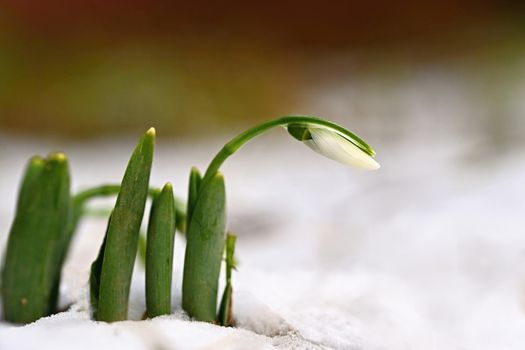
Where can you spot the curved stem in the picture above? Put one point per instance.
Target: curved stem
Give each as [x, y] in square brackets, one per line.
[78, 201]
[103, 191]
[237, 142]
[99, 191]
[107, 190]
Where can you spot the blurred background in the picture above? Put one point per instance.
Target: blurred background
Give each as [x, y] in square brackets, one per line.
[80, 69]
[428, 252]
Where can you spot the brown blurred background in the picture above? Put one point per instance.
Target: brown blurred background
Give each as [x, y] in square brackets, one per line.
[73, 68]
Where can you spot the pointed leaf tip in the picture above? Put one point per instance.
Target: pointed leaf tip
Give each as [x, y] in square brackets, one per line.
[151, 132]
[36, 160]
[58, 156]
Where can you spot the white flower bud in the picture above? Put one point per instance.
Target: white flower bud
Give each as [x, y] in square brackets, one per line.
[334, 145]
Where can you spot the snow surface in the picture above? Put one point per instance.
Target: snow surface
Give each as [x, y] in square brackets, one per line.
[426, 253]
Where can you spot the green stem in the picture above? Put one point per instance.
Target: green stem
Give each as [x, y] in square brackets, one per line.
[102, 191]
[113, 189]
[237, 142]
[80, 199]
[107, 190]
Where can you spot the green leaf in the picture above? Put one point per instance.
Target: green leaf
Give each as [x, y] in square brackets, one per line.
[159, 253]
[94, 275]
[226, 308]
[193, 193]
[225, 315]
[32, 174]
[122, 234]
[142, 246]
[180, 215]
[204, 250]
[33, 259]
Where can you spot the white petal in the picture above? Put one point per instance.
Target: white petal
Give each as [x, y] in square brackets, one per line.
[334, 146]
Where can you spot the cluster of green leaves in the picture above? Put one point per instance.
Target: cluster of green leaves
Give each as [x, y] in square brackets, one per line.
[47, 216]
[111, 272]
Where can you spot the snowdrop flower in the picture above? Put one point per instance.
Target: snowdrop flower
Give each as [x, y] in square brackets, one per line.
[323, 136]
[335, 145]
[206, 211]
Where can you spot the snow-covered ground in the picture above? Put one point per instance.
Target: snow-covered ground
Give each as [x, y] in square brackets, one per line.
[426, 253]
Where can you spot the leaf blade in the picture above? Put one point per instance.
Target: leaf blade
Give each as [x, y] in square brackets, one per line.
[159, 253]
[123, 230]
[204, 250]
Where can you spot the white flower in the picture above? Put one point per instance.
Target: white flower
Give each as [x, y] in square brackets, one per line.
[334, 145]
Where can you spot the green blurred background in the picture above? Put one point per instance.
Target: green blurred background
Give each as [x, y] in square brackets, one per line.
[78, 69]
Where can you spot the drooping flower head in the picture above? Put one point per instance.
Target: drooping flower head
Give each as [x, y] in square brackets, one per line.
[323, 136]
[337, 144]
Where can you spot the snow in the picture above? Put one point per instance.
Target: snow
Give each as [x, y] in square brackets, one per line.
[426, 253]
